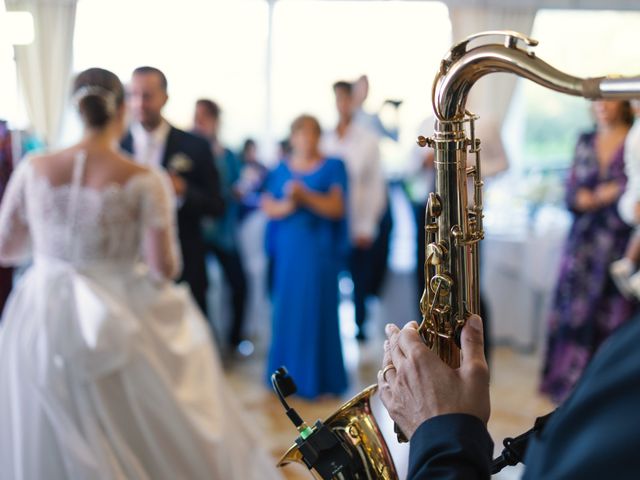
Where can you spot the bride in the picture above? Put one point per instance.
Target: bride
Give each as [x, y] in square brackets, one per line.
[107, 370]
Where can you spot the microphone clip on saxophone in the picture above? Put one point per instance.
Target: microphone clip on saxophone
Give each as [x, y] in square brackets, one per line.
[320, 448]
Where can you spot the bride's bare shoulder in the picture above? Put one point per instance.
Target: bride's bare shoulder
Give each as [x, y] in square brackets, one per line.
[129, 164]
[53, 164]
[47, 158]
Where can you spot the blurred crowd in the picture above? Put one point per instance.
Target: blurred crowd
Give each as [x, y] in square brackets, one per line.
[329, 216]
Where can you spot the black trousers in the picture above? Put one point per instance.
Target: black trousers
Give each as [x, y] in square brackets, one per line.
[361, 268]
[380, 248]
[233, 270]
[368, 268]
[200, 296]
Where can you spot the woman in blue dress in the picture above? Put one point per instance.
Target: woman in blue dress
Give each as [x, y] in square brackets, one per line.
[308, 242]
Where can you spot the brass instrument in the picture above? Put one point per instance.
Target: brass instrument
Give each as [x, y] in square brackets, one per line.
[453, 229]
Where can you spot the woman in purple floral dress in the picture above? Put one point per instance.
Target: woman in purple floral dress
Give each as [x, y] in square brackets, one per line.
[587, 306]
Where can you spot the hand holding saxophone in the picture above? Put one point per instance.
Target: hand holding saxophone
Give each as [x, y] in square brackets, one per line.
[419, 386]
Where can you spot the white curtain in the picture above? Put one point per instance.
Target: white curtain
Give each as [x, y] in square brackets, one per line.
[44, 67]
[491, 96]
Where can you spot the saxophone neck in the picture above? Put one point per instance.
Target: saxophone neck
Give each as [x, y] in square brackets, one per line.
[462, 67]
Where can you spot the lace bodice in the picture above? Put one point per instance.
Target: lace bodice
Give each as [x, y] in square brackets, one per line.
[82, 225]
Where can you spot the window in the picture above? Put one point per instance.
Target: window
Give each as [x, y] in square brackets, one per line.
[399, 46]
[219, 50]
[542, 127]
[15, 28]
[206, 49]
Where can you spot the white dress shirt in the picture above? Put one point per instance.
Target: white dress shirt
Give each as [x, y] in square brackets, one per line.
[631, 196]
[367, 193]
[149, 147]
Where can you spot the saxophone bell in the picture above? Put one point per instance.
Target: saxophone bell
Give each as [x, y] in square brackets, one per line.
[348, 446]
[318, 447]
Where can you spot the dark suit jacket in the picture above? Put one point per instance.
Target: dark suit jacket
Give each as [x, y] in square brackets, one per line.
[594, 435]
[191, 157]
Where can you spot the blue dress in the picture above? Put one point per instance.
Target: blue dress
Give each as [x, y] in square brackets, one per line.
[308, 251]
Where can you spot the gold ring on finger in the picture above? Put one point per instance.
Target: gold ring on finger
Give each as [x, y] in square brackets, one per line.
[391, 366]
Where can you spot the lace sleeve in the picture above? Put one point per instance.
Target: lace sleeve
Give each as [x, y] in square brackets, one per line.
[14, 229]
[160, 244]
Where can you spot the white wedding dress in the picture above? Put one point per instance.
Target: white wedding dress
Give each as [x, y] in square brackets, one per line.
[106, 371]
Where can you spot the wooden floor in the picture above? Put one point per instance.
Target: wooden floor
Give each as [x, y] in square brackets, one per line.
[515, 402]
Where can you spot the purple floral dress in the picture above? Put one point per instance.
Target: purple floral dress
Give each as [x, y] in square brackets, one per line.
[587, 307]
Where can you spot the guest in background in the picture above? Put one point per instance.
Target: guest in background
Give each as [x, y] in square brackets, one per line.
[187, 158]
[367, 197]
[305, 200]
[284, 149]
[625, 271]
[6, 166]
[252, 177]
[587, 306]
[221, 235]
[372, 121]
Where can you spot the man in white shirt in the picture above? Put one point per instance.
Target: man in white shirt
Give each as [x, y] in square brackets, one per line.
[148, 146]
[189, 162]
[372, 121]
[367, 194]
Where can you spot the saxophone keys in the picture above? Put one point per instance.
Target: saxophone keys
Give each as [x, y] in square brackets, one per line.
[436, 253]
[434, 205]
[441, 284]
[424, 141]
[354, 432]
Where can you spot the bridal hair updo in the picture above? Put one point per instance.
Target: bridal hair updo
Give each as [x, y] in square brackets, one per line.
[97, 94]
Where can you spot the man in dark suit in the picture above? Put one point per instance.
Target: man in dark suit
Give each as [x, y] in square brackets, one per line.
[189, 163]
[444, 412]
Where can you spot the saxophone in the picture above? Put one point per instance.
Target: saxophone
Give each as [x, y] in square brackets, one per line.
[352, 443]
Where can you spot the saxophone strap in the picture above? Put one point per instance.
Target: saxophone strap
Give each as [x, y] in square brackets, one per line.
[516, 448]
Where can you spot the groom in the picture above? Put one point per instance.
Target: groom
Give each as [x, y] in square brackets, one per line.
[188, 161]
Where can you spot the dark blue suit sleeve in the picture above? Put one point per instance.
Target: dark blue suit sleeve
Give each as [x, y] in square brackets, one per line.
[450, 447]
[596, 433]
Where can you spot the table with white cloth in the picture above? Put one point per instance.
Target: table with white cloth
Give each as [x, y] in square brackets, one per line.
[520, 258]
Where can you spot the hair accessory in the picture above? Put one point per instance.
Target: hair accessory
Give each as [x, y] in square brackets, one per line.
[95, 91]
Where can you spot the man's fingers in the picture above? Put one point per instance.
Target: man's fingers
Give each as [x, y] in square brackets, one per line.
[393, 332]
[472, 343]
[391, 329]
[386, 357]
[410, 343]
